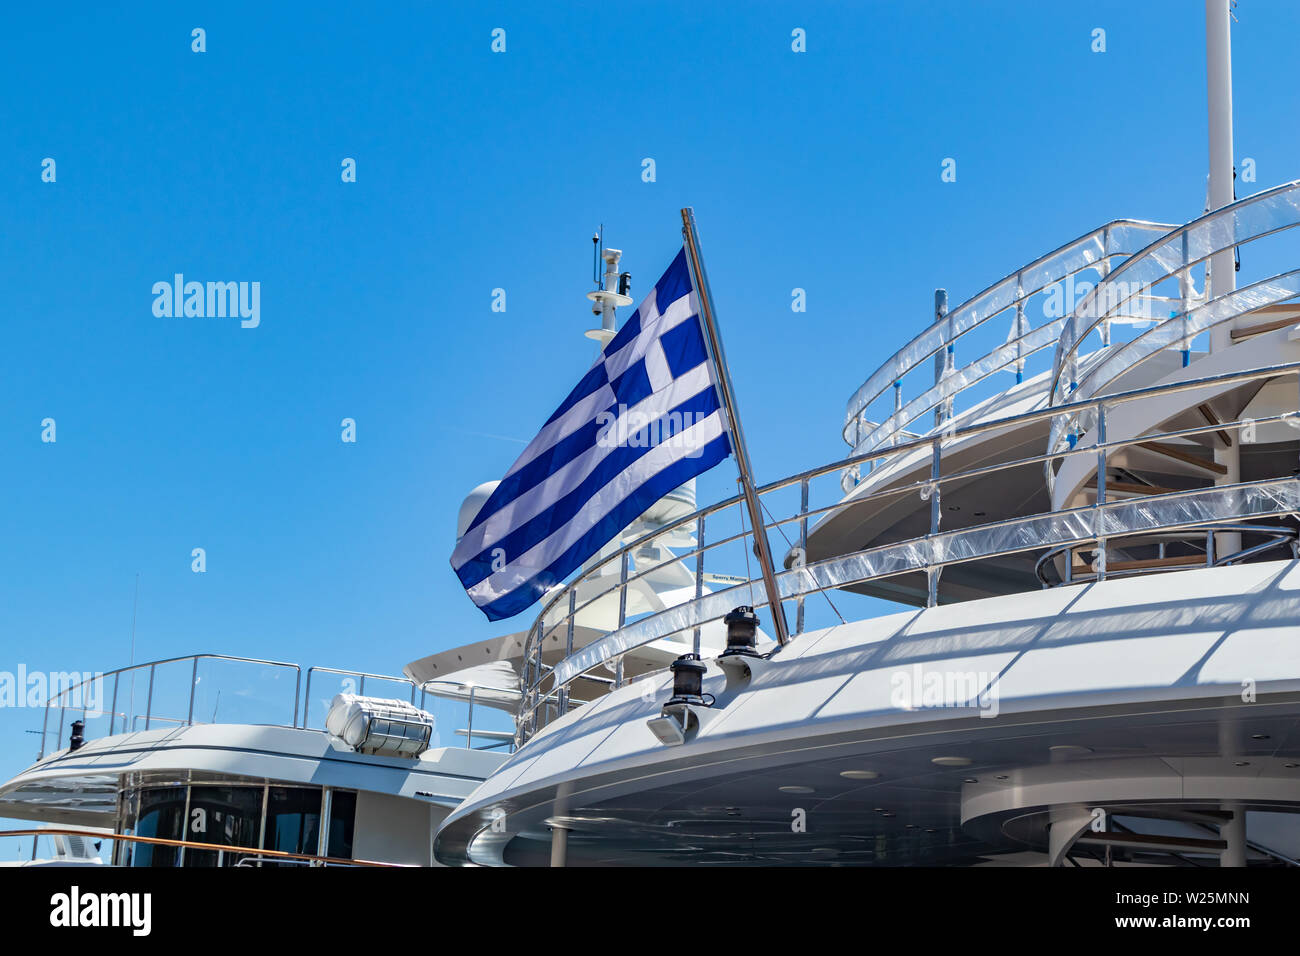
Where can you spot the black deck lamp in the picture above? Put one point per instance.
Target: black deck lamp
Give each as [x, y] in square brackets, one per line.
[742, 628]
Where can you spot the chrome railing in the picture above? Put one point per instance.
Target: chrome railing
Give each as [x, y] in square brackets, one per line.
[552, 690]
[171, 700]
[178, 692]
[1275, 537]
[1173, 257]
[1008, 298]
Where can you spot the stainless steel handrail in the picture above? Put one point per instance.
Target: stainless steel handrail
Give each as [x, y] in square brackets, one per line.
[151, 667]
[927, 444]
[1174, 253]
[301, 696]
[1093, 250]
[1084, 524]
[1276, 536]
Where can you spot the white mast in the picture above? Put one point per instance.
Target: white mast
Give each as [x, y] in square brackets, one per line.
[1222, 276]
[1222, 279]
[1218, 73]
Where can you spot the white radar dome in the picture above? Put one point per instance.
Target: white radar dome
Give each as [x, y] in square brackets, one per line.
[471, 506]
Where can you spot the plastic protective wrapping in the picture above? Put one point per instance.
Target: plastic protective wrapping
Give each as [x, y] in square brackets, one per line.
[1164, 512]
[1118, 238]
[951, 384]
[1176, 329]
[1248, 219]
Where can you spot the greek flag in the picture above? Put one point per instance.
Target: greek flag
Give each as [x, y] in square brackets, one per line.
[644, 419]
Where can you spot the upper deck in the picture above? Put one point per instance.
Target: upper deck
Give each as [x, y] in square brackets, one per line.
[1096, 463]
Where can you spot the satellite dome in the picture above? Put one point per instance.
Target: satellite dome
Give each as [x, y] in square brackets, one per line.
[471, 506]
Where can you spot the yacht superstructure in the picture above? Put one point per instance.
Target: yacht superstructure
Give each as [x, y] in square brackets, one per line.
[210, 760]
[1090, 502]
[1080, 485]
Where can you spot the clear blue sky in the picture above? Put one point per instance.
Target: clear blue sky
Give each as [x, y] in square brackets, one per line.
[478, 170]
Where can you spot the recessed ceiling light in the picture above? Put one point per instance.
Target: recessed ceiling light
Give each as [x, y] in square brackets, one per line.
[796, 789]
[859, 774]
[1259, 736]
[971, 780]
[1001, 776]
[1292, 766]
[1070, 749]
[1242, 763]
[951, 761]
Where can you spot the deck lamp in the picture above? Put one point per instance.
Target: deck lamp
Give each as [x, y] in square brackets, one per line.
[742, 626]
[688, 680]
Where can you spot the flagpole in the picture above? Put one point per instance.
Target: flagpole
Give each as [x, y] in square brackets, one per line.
[701, 281]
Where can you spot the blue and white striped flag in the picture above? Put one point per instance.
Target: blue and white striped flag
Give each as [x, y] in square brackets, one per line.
[642, 421]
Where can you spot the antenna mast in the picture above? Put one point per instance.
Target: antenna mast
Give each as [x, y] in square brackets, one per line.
[610, 296]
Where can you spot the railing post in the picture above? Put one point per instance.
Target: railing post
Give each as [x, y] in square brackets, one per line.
[942, 356]
[568, 648]
[803, 551]
[532, 655]
[699, 578]
[1101, 491]
[297, 684]
[112, 710]
[194, 680]
[45, 723]
[898, 413]
[306, 700]
[931, 572]
[1021, 322]
[148, 707]
[469, 721]
[1103, 272]
[1185, 294]
[622, 614]
[538, 674]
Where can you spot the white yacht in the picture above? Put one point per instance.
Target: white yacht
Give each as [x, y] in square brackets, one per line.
[210, 760]
[1081, 484]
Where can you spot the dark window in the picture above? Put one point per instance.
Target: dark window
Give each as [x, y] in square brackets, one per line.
[228, 816]
[162, 814]
[293, 820]
[343, 812]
